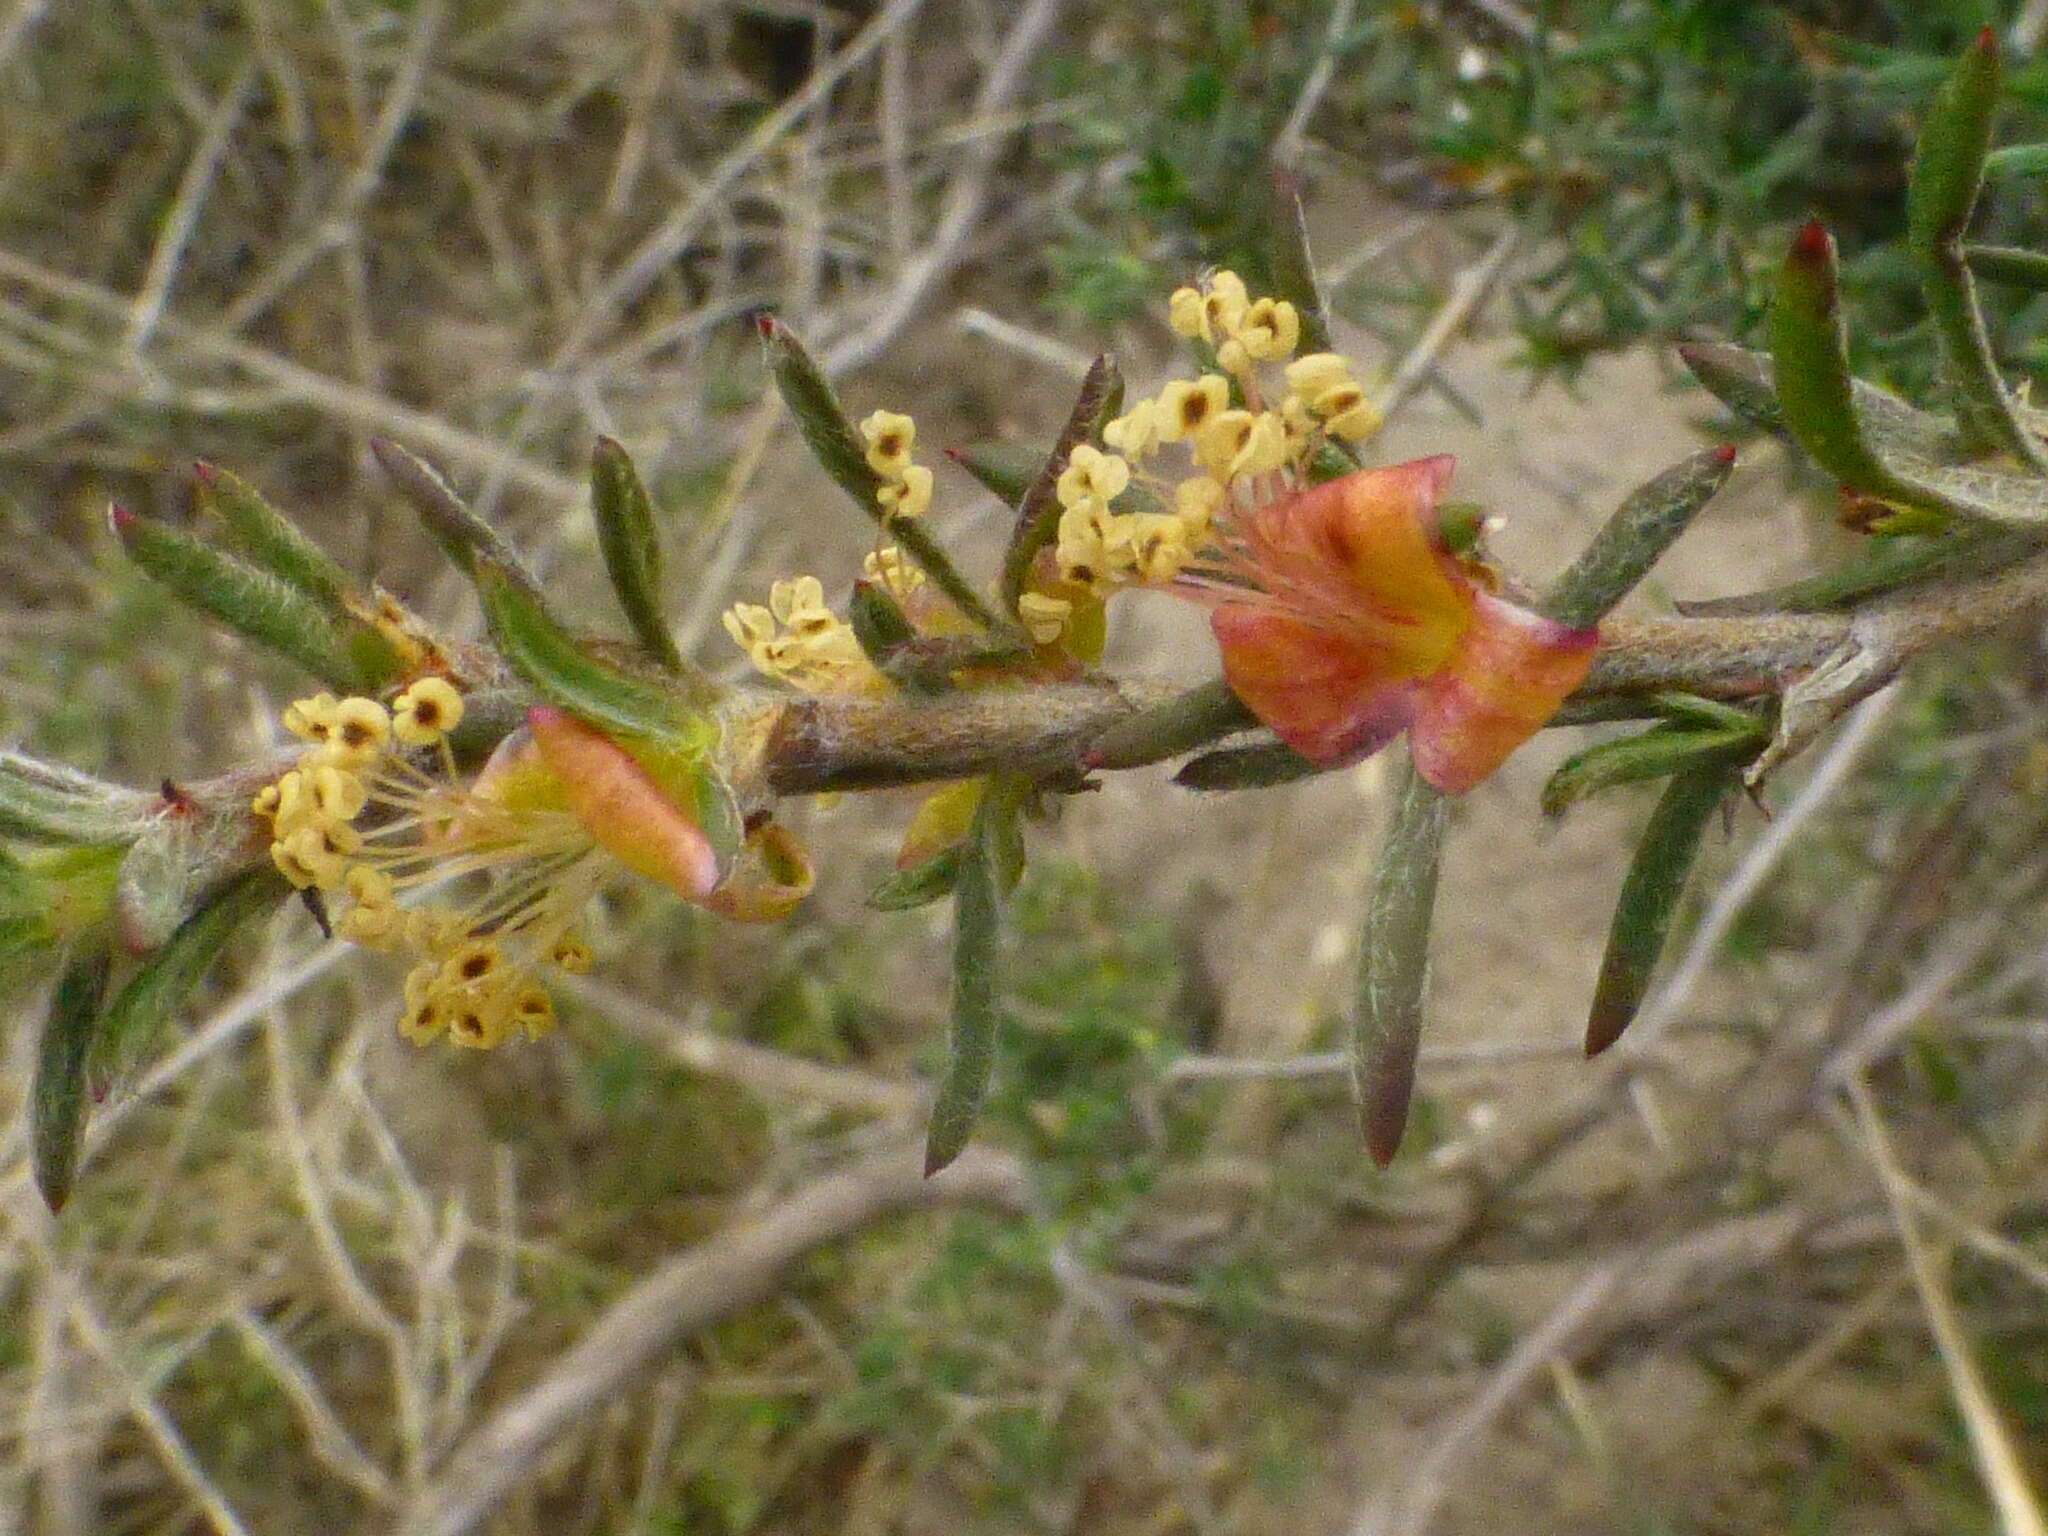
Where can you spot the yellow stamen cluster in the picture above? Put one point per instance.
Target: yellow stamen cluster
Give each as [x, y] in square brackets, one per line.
[1242, 452]
[359, 819]
[894, 570]
[798, 639]
[906, 489]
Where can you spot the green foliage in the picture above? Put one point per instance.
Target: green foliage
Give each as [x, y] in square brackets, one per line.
[1656, 154]
[1173, 126]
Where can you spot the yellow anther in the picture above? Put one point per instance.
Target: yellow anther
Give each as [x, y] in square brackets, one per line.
[1092, 474]
[335, 793]
[1045, 618]
[1317, 374]
[312, 719]
[1136, 433]
[359, 734]
[572, 955]
[909, 494]
[1225, 303]
[1221, 439]
[1187, 405]
[1270, 330]
[890, 437]
[893, 569]
[1187, 314]
[1264, 448]
[426, 712]
[1196, 503]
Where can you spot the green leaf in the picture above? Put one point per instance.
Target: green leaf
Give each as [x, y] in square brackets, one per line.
[2017, 160]
[2009, 264]
[47, 803]
[878, 622]
[169, 977]
[248, 600]
[1948, 169]
[1294, 266]
[1812, 381]
[919, 885]
[1744, 381]
[1657, 753]
[267, 538]
[1649, 896]
[1262, 765]
[837, 446]
[632, 549]
[978, 891]
[1205, 713]
[1005, 470]
[57, 1098]
[1809, 347]
[1646, 524]
[1884, 565]
[1037, 522]
[1393, 975]
[569, 674]
[464, 537]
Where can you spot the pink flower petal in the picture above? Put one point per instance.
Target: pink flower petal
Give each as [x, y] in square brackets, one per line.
[1508, 675]
[1326, 695]
[621, 806]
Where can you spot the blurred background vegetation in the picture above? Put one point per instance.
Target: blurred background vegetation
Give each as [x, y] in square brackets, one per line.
[317, 1281]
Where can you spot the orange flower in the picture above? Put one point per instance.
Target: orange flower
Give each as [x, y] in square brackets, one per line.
[1343, 621]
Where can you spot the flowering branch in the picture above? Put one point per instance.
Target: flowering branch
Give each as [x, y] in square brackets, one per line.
[458, 803]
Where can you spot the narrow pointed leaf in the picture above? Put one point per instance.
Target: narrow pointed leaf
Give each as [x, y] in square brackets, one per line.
[919, 885]
[1948, 169]
[1635, 537]
[266, 537]
[1294, 265]
[568, 673]
[1005, 470]
[1205, 713]
[632, 549]
[1885, 565]
[1692, 710]
[1393, 976]
[2010, 265]
[166, 982]
[1657, 753]
[1744, 381]
[978, 891]
[57, 1098]
[1809, 347]
[1261, 766]
[46, 803]
[1038, 510]
[836, 444]
[248, 600]
[464, 537]
[1813, 387]
[878, 622]
[1649, 896]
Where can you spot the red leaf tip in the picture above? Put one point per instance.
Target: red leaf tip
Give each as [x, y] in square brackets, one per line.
[119, 518]
[206, 474]
[1725, 454]
[765, 324]
[1812, 242]
[1987, 40]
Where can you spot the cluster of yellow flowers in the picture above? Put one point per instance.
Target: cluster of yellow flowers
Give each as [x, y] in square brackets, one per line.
[1245, 454]
[906, 489]
[801, 641]
[472, 980]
